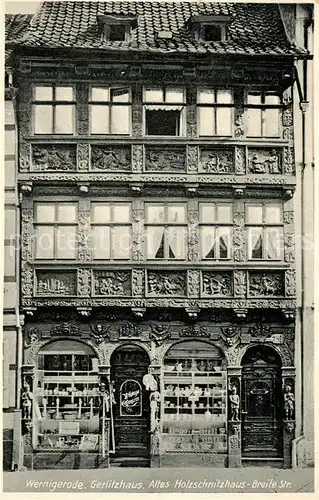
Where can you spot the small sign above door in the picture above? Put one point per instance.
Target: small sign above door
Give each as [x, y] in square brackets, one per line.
[130, 399]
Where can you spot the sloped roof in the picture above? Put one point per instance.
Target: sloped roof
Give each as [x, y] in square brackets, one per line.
[253, 29]
[15, 27]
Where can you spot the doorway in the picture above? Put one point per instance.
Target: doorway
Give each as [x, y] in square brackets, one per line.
[261, 403]
[131, 414]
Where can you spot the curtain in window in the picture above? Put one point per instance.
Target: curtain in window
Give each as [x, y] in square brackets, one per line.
[223, 242]
[176, 242]
[272, 243]
[208, 243]
[155, 242]
[255, 243]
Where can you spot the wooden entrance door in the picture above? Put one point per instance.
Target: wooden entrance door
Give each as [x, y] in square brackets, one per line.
[261, 404]
[131, 410]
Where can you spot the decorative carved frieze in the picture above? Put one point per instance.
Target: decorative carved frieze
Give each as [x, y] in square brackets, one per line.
[240, 283]
[137, 158]
[270, 284]
[67, 329]
[161, 283]
[53, 157]
[27, 281]
[192, 159]
[264, 161]
[216, 161]
[193, 283]
[27, 234]
[83, 157]
[164, 159]
[54, 283]
[84, 282]
[217, 283]
[290, 283]
[112, 283]
[138, 282]
[111, 158]
[84, 236]
[195, 331]
[128, 330]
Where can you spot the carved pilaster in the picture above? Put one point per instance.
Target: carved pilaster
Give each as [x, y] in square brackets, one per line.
[138, 282]
[83, 157]
[137, 158]
[27, 281]
[240, 160]
[84, 239]
[289, 160]
[240, 283]
[193, 282]
[239, 241]
[193, 231]
[137, 230]
[289, 237]
[192, 159]
[84, 282]
[82, 109]
[25, 111]
[290, 283]
[27, 234]
[24, 157]
[137, 112]
[191, 113]
[239, 129]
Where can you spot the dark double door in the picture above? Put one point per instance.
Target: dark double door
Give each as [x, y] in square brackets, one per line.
[131, 410]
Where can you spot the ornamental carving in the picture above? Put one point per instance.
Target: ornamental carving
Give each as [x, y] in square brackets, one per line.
[137, 215]
[287, 118]
[166, 283]
[84, 236]
[240, 160]
[289, 217]
[137, 158]
[289, 248]
[109, 158]
[27, 282]
[53, 157]
[27, 234]
[159, 333]
[191, 120]
[192, 159]
[287, 96]
[229, 335]
[112, 283]
[194, 331]
[289, 160]
[100, 332]
[269, 284]
[290, 282]
[217, 283]
[129, 331]
[84, 282]
[138, 276]
[193, 282]
[264, 161]
[216, 161]
[164, 160]
[55, 283]
[83, 157]
[82, 110]
[24, 156]
[67, 329]
[137, 118]
[239, 219]
[240, 283]
[31, 336]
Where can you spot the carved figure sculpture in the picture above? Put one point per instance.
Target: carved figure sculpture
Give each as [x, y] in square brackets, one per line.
[27, 397]
[155, 398]
[150, 382]
[273, 163]
[289, 402]
[234, 403]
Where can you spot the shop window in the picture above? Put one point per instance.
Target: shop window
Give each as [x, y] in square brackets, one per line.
[215, 230]
[166, 231]
[111, 231]
[53, 109]
[164, 111]
[55, 230]
[264, 227]
[215, 111]
[67, 399]
[263, 114]
[110, 110]
[194, 406]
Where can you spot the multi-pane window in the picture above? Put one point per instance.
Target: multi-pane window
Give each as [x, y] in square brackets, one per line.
[166, 230]
[216, 221]
[110, 110]
[55, 230]
[53, 109]
[111, 231]
[264, 227]
[263, 114]
[215, 111]
[164, 110]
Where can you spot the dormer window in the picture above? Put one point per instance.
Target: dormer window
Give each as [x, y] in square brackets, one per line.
[117, 28]
[209, 28]
[117, 33]
[211, 33]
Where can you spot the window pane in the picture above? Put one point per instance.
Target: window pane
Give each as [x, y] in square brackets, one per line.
[44, 242]
[42, 119]
[224, 121]
[254, 214]
[154, 94]
[207, 213]
[99, 94]
[155, 214]
[271, 127]
[176, 242]
[176, 213]
[101, 242]
[67, 212]
[174, 95]
[120, 120]
[273, 243]
[206, 96]
[99, 119]
[44, 212]
[254, 98]
[224, 96]
[66, 242]
[121, 213]
[208, 242]
[206, 121]
[121, 242]
[255, 243]
[223, 242]
[64, 94]
[253, 122]
[163, 122]
[272, 99]
[224, 213]
[43, 93]
[273, 214]
[120, 95]
[101, 213]
[64, 119]
[155, 242]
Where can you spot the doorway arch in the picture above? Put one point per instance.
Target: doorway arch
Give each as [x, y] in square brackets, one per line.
[261, 402]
